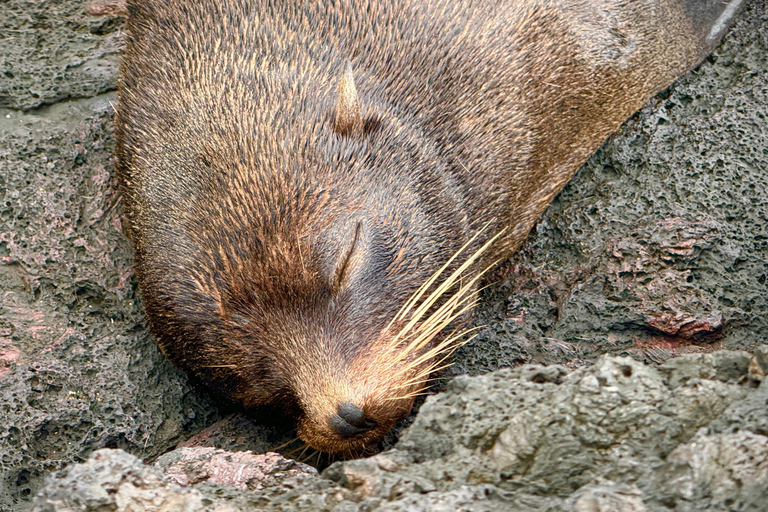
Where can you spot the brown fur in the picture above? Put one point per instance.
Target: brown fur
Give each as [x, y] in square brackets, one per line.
[275, 244]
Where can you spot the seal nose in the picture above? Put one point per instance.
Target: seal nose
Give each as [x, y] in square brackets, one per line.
[350, 420]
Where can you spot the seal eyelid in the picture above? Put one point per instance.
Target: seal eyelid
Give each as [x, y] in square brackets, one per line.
[341, 270]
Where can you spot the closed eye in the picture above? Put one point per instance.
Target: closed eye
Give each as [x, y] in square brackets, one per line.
[345, 267]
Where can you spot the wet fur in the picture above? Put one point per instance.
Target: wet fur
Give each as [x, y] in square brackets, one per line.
[272, 252]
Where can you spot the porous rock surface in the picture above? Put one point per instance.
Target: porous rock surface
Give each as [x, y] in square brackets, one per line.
[656, 248]
[78, 369]
[243, 470]
[619, 435]
[56, 50]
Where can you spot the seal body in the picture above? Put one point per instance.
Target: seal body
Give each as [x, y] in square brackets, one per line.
[281, 218]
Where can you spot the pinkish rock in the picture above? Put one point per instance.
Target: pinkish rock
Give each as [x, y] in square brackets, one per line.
[242, 470]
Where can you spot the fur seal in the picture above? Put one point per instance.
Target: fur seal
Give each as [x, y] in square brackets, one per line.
[314, 187]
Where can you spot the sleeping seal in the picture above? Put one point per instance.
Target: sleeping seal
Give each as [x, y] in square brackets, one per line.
[314, 187]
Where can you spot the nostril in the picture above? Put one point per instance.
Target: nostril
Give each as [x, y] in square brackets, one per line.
[350, 420]
[354, 415]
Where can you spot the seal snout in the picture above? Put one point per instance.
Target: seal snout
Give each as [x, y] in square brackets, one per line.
[350, 420]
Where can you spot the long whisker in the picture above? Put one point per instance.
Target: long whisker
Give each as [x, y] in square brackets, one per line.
[429, 282]
[464, 300]
[284, 445]
[436, 367]
[401, 314]
[297, 452]
[309, 456]
[410, 395]
[413, 394]
[300, 458]
[423, 325]
[455, 307]
[450, 344]
[447, 284]
[439, 348]
[437, 321]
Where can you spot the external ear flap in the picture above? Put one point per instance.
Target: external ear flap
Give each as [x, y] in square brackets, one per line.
[349, 118]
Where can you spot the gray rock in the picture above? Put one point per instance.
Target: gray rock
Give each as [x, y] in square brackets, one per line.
[615, 436]
[78, 368]
[749, 414]
[726, 366]
[609, 421]
[715, 472]
[114, 480]
[606, 497]
[53, 51]
[761, 361]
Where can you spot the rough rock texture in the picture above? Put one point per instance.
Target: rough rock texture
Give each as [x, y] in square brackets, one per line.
[656, 248]
[243, 470]
[619, 435]
[115, 480]
[78, 369]
[51, 51]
